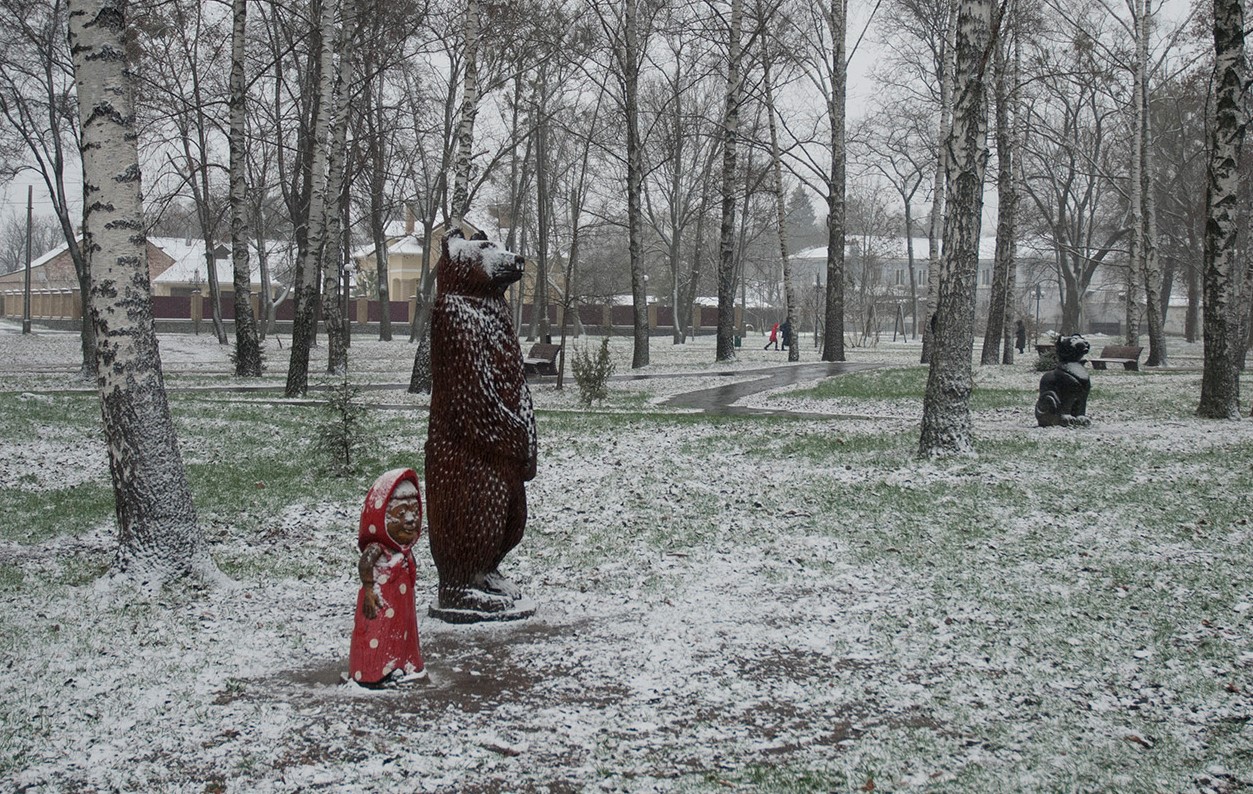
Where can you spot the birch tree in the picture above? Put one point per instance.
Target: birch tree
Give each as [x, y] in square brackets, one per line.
[307, 268]
[247, 342]
[997, 334]
[725, 345]
[469, 112]
[1220, 379]
[946, 404]
[1144, 223]
[626, 29]
[159, 536]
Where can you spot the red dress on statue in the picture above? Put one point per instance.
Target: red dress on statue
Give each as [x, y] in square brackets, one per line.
[389, 641]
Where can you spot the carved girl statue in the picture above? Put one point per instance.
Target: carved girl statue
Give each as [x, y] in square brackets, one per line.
[385, 647]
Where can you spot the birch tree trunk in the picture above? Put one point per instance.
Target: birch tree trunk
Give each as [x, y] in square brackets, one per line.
[307, 277]
[543, 211]
[247, 342]
[1150, 267]
[1220, 379]
[635, 181]
[1006, 217]
[833, 331]
[469, 111]
[334, 251]
[935, 234]
[159, 538]
[725, 346]
[946, 405]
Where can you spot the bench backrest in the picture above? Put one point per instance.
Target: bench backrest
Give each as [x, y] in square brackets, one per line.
[1121, 351]
[541, 350]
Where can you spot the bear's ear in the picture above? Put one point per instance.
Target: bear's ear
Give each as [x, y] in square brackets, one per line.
[479, 235]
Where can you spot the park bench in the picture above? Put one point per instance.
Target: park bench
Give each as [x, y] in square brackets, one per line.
[1127, 355]
[541, 360]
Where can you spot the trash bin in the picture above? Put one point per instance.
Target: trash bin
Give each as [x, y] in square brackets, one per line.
[738, 341]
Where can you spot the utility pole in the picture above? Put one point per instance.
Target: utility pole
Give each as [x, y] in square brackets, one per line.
[30, 202]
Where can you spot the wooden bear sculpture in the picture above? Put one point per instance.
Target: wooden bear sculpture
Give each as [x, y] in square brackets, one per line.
[480, 446]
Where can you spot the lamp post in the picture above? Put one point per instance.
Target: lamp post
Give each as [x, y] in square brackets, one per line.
[30, 203]
[1039, 293]
[817, 305]
[346, 271]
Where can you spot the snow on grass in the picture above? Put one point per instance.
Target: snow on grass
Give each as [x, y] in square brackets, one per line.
[791, 604]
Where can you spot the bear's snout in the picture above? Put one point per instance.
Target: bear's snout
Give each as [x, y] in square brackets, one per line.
[509, 267]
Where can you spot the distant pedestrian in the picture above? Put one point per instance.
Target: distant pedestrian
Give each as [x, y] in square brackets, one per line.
[786, 330]
[774, 337]
[1020, 337]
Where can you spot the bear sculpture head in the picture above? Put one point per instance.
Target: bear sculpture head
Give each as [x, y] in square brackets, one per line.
[476, 266]
[1072, 348]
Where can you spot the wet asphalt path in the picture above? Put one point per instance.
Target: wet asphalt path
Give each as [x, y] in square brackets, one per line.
[715, 400]
[721, 400]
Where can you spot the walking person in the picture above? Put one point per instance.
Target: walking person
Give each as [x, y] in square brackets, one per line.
[774, 337]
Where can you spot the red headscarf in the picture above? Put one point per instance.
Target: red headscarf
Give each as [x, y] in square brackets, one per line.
[373, 527]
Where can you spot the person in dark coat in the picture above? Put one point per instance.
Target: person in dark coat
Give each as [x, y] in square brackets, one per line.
[786, 330]
[1020, 337]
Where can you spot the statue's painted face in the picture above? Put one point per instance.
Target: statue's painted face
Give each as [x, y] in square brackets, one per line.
[404, 519]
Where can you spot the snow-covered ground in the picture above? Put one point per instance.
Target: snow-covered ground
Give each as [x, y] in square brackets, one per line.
[782, 604]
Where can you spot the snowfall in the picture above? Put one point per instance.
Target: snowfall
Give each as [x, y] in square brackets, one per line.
[719, 606]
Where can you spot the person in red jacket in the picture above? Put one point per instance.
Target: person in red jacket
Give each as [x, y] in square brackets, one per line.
[774, 337]
[385, 649]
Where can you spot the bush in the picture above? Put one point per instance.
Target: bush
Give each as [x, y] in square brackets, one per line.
[1046, 361]
[346, 430]
[592, 373]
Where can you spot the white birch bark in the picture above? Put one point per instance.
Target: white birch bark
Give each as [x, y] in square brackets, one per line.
[1150, 268]
[1220, 379]
[159, 538]
[999, 302]
[469, 111]
[725, 346]
[946, 426]
[247, 343]
[307, 288]
[935, 233]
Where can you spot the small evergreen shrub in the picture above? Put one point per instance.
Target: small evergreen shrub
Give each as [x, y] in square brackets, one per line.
[591, 372]
[346, 429]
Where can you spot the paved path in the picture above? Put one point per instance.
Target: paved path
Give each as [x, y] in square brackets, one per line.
[721, 400]
[715, 400]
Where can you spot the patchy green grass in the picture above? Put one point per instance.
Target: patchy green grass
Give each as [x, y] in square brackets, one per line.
[775, 604]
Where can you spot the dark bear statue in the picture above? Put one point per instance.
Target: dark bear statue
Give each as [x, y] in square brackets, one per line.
[481, 445]
[1064, 391]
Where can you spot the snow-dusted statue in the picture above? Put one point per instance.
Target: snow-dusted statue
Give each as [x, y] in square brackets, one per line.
[385, 648]
[1064, 391]
[480, 446]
